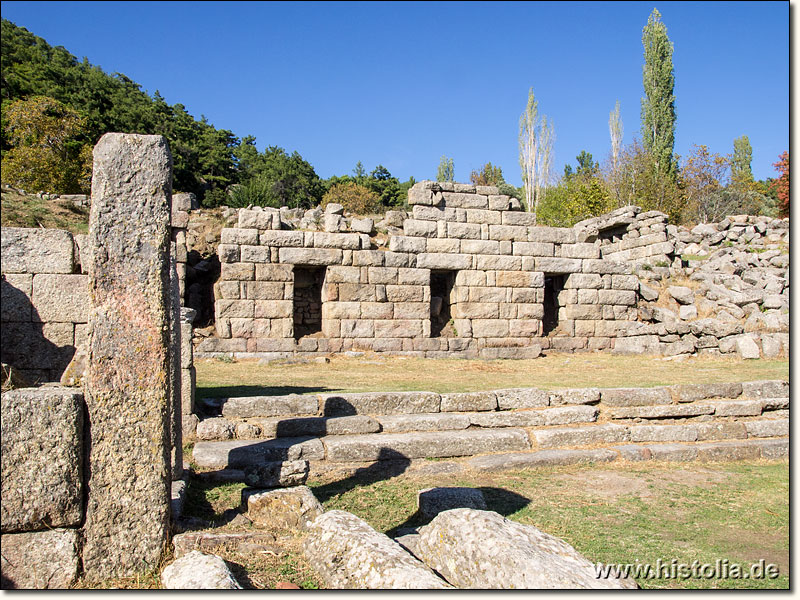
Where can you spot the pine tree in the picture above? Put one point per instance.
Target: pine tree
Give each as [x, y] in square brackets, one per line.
[658, 106]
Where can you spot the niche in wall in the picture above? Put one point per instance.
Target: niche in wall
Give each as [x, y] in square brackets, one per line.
[307, 300]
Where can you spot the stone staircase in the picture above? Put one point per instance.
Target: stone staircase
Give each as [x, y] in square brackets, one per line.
[495, 430]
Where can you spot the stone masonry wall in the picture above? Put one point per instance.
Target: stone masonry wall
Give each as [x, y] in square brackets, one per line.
[376, 293]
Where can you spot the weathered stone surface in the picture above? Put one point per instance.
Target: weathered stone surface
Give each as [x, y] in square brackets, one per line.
[661, 412]
[542, 458]
[521, 398]
[277, 474]
[581, 436]
[733, 450]
[765, 389]
[300, 426]
[348, 554]
[292, 508]
[42, 465]
[635, 396]
[28, 250]
[561, 415]
[214, 429]
[379, 403]
[127, 392]
[747, 347]
[469, 401]
[574, 396]
[423, 422]
[15, 298]
[432, 501]
[482, 549]
[682, 294]
[401, 446]
[737, 408]
[199, 571]
[701, 391]
[240, 454]
[767, 428]
[663, 433]
[39, 560]
[773, 449]
[720, 430]
[270, 406]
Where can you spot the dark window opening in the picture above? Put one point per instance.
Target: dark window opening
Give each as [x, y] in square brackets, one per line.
[308, 300]
[553, 284]
[442, 283]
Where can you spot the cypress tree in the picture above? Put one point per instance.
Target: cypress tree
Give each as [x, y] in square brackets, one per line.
[658, 107]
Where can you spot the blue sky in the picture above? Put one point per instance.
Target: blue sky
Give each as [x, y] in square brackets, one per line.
[401, 84]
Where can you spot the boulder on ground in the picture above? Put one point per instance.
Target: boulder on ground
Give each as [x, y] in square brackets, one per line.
[198, 571]
[290, 508]
[482, 549]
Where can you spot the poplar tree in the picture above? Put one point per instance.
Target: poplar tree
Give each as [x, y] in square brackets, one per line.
[615, 129]
[741, 169]
[658, 106]
[445, 172]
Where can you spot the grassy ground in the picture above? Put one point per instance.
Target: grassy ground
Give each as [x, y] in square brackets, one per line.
[379, 373]
[32, 211]
[621, 513]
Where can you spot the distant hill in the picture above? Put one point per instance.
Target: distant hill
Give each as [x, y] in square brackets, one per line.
[204, 160]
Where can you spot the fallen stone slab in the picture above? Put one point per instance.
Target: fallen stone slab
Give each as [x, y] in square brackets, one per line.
[42, 466]
[379, 403]
[199, 571]
[432, 501]
[765, 389]
[574, 396]
[40, 559]
[481, 549]
[560, 415]
[521, 398]
[269, 406]
[663, 433]
[468, 402]
[292, 508]
[581, 436]
[667, 411]
[767, 428]
[349, 554]
[317, 426]
[702, 391]
[208, 542]
[422, 422]
[389, 446]
[635, 396]
[277, 474]
[240, 454]
[541, 458]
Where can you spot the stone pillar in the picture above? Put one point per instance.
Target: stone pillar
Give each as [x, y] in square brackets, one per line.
[175, 420]
[127, 382]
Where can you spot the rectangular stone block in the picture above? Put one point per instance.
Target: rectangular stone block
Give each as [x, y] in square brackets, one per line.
[533, 249]
[558, 265]
[620, 297]
[475, 310]
[237, 271]
[465, 200]
[664, 433]
[519, 218]
[368, 258]
[519, 279]
[419, 228]
[274, 272]
[42, 467]
[450, 262]
[398, 328]
[557, 235]
[510, 233]
[581, 436]
[379, 403]
[635, 396]
[377, 310]
[483, 328]
[406, 276]
[310, 256]
[580, 250]
[15, 301]
[604, 266]
[235, 235]
[468, 402]
[480, 247]
[40, 560]
[257, 219]
[483, 217]
[412, 310]
[263, 290]
[382, 275]
[405, 243]
[464, 230]
[492, 263]
[767, 428]
[24, 250]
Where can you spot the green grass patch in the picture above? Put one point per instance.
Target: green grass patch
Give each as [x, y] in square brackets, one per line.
[32, 211]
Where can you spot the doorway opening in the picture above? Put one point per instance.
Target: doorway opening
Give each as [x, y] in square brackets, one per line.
[553, 284]
[442, 283]
[307, 300]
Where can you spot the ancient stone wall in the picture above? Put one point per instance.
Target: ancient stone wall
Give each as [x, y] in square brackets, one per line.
[45, 300]
[469, 276]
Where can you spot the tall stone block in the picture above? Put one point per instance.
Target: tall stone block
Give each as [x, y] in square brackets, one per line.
[127, 383]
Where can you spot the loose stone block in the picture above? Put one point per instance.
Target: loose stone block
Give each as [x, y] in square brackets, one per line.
[40, 560]
[469, 401]
[199, 571]
[348, 554]
[292, 508]
[127, 396]
[481, 549]
[401, 446]
[432, 501]
[42, 467]
[27, 250]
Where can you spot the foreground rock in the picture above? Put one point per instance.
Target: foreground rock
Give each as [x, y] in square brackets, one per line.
[198, 571]
[480, 549]
[292, 508]
[349, 554]
[40, 559]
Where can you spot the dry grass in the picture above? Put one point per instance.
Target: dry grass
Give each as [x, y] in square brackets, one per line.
[32, 211]
[372, 373]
